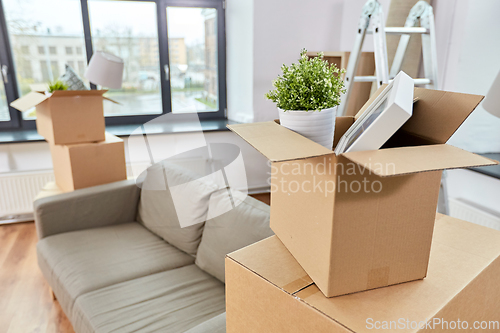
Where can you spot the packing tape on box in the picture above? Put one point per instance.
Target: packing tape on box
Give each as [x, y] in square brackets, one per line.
[298, 284]
[378, 277]
[308, 291]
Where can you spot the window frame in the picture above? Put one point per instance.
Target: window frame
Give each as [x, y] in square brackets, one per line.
[6, 57]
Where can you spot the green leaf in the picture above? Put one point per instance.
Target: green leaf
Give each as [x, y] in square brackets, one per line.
[310, 84]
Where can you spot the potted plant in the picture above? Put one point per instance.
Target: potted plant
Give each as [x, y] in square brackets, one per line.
[307, 95]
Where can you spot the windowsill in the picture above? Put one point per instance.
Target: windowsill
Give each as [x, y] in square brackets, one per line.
[208, 125]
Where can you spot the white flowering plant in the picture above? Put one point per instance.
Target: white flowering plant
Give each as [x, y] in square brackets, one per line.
[312, 84]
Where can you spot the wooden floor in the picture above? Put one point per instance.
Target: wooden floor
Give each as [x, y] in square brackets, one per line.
[25, 301]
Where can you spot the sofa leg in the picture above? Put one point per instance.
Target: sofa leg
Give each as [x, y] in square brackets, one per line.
[52, 294]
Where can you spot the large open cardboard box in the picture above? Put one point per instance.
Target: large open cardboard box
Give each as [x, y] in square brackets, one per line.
[67, 116]
[89, 164]
[363, 220]
[268, 291]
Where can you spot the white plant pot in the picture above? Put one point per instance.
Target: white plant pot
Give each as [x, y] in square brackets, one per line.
[318, 126]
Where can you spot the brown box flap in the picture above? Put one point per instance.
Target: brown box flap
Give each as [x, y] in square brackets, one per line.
[278, 143]
[406, 160]
[268, 260]
[28, 101]
[438, 114]
[68, 93]
[39, 87]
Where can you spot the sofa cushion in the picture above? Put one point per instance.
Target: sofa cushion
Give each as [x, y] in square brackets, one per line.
[247, 223]
[174, 204]
[81, 261]
[215, 325]
[172, 301]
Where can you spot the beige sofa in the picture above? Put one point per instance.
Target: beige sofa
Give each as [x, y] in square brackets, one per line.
[118, 260]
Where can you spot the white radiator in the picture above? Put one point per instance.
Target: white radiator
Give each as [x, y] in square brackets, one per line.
[17, 191]
[468, 211]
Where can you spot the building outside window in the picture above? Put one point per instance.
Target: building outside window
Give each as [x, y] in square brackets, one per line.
[185, 79]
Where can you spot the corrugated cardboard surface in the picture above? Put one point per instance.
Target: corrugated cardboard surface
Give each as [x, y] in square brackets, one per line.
[351, 240]
[89, 164]
[67, 117]
[407, 160]
[72, 119]
[462, 283]
[278, 143]
[438, 114]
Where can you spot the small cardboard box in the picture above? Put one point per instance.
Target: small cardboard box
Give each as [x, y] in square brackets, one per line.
[88, 164]
[363, 220]
[66, 116]
[268, 291]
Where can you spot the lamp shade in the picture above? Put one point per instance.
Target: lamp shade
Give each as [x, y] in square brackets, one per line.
[105, 69]
[492, 101]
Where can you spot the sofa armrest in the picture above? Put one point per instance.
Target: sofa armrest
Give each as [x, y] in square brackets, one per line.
[91, 207]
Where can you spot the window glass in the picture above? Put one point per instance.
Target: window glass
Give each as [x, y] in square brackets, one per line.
[4, 105]
[192, 46]
[37, 29]
[132, 34]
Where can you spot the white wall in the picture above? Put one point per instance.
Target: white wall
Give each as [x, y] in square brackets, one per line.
[239, 45]
[261, 36]
[281, 29]
[469, 48]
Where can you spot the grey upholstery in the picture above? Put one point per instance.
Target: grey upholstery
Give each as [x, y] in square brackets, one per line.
[168, 302]
[215, 325]
[87, 208]
[81, 261]
[111, 274]
[157, 210]
[246, 224]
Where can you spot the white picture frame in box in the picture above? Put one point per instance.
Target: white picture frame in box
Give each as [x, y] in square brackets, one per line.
[388, 112]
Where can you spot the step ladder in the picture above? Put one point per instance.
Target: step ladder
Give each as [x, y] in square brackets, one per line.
[372, 22]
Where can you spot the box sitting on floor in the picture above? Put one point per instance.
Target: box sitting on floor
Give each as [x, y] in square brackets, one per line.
[268, 291]
[88, 164]
[363, 220]
[66, 116]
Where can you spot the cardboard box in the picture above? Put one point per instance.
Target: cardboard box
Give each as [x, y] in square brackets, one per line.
[88, 164]
[360, 92]
[363, 220]
[268, 291]
[66, 116]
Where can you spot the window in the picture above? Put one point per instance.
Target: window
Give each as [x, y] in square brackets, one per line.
[4, 105]
[191, 45]
[132, 34]
[173, 50]
[81, 68]
[36, 23]
[54, 68]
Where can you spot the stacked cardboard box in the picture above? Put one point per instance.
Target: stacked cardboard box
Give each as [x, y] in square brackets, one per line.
[72, 122]
[268, 291]
[363, 220]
